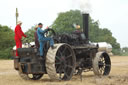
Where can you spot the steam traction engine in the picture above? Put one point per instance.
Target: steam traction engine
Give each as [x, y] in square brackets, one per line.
[73, 54]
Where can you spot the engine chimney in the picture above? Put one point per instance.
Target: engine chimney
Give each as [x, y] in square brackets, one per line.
[86, 26]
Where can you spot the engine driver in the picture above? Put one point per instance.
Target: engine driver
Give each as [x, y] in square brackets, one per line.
[42, 39]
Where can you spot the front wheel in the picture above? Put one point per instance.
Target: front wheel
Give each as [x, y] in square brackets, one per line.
[101, 64]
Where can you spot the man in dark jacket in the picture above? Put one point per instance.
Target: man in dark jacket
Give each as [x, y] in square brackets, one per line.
[36, 37]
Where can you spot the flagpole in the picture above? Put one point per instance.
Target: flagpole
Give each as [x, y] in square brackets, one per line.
[17, 14]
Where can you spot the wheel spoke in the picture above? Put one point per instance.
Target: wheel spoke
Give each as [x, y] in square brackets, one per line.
[103, 61]
[65, 73]
[58, 63]
[101, 64]
[102, 68]
[69, 66]
[100, 71]
[60, 53]
[107, 65]
[68, 56]
[63, 52]
[57, 57]
[59, 68]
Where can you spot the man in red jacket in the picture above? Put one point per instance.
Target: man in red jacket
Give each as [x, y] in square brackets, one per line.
[18, 36]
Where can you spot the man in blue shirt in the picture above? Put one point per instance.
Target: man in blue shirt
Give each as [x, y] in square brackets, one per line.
[42, 39]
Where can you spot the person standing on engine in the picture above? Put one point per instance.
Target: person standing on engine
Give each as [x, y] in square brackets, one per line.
[42, 39]
[18, 36]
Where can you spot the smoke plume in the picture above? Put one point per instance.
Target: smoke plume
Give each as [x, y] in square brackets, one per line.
[84, 5]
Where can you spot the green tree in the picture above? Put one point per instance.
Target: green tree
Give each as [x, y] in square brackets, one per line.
[30, 35]
[6, 42]
[65, 20]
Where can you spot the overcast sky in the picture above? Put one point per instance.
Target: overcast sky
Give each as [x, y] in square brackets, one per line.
[112, 14]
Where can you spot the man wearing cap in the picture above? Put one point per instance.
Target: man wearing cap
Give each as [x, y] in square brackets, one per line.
[18, 36]
[42, 39]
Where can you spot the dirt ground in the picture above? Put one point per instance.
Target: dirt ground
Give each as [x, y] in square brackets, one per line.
[118, 75]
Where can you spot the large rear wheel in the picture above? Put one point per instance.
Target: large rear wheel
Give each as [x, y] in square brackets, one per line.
[60, 62]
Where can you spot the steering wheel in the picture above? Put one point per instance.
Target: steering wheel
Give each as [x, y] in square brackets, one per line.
[50, 33]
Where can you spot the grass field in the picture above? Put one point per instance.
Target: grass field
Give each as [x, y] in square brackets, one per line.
[118, 75]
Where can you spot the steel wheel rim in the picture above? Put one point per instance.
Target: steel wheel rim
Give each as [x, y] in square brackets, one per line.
[64, 62]
[104, 64]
